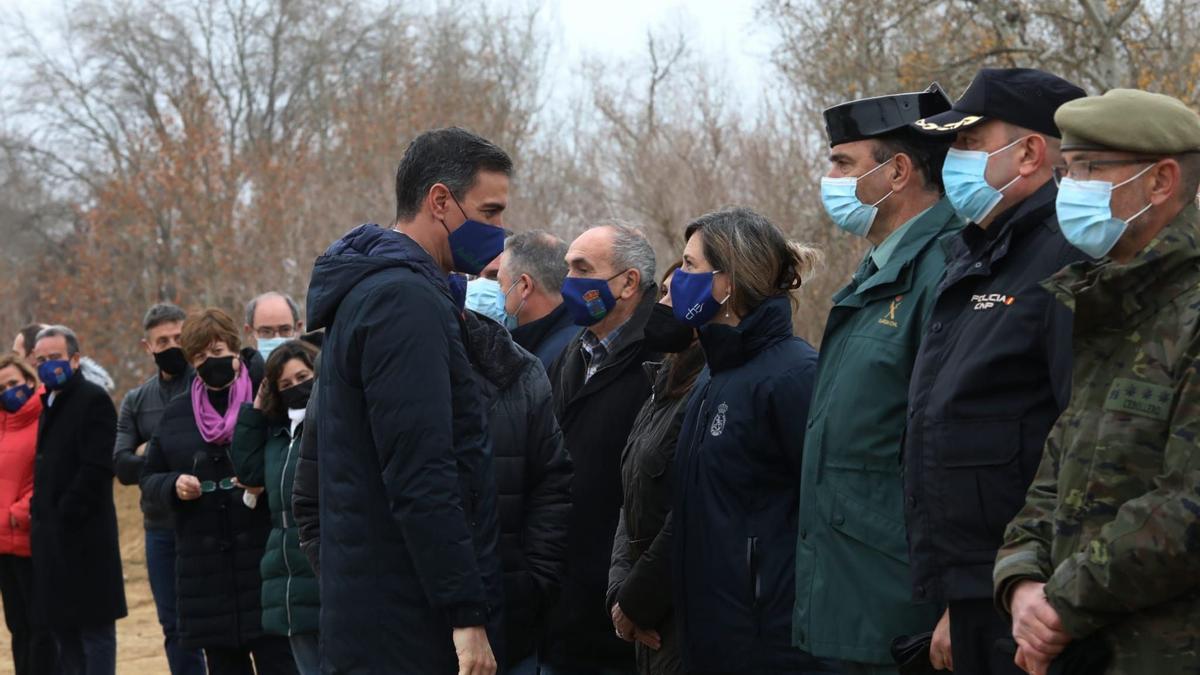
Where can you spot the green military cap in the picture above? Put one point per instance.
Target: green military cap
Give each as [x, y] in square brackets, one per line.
[1129, 120]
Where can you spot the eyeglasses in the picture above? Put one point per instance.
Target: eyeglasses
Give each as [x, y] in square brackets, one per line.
[207, 486]
[1081, 169]
[268, 332]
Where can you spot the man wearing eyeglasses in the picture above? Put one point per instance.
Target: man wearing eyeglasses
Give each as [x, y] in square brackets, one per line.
[993, 370]
[272, 319]
[1098, 570]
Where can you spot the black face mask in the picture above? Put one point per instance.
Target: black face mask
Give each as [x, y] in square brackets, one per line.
[296, 396]
[217, 372]
[171, 361]
[664, 333]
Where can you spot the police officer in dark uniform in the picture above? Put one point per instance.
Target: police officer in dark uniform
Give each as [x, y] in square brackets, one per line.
[993, 371]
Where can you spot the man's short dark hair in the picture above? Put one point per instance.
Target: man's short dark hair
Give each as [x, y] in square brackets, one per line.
[453, 157]
[58, 330]
[29, 335]
[163, 312]
[539, 254]
[927, 153]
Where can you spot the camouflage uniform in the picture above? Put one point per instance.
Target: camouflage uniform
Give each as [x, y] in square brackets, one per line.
[1112, 520]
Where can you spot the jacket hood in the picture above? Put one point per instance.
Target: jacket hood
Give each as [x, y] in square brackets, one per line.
[493, 352]
[96, 374]
[362, 252]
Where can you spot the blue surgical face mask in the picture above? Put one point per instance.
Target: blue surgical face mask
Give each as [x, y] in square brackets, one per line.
[486, 297]
[692, 299]
[965, 177]
[840, 197]
[268, 345]
[55, 374]
[1085, 214]
[14, 398]
[588, 300]
[510, 320]
[474, 244]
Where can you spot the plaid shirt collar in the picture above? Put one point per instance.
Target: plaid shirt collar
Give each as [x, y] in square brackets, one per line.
[596, 350]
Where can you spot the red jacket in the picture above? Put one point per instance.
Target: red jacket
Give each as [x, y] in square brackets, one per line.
[18, 445]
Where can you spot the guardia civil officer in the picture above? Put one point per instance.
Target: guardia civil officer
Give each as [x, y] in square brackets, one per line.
[1099, 568]
[994, 368]
[885, 185]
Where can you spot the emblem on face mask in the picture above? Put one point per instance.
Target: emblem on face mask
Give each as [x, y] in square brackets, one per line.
[889, 318]
[595, 304]
[718, 423]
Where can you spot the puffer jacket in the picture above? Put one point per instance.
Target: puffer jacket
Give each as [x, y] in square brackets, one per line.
[264, 454]
[18, 446]
[219, 540]
[407, 491]
[533, 479]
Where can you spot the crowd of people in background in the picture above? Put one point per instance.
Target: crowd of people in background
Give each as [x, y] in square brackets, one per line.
[495, 452]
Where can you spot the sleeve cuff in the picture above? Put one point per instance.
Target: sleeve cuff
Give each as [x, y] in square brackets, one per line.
[467, 616]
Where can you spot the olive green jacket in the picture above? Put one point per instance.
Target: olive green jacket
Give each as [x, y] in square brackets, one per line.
[1111, 523]
[853, 585]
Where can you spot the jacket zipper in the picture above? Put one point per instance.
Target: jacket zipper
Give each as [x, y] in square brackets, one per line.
[752, 563]
[287, 590]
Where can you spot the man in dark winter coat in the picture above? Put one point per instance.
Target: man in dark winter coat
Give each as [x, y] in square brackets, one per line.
[531, 274]
[78, 591]
[141, 411]
[994, 367]
[410, 576]
[599, 387]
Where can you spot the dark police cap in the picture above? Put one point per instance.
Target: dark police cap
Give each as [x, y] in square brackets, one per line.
[871, 117]
[1025, 97]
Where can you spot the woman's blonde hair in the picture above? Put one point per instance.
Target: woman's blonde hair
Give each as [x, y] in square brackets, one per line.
[14, 360]
[753, 251]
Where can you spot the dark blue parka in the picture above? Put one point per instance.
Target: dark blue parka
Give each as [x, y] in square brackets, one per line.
[737, 484]
[408, 499]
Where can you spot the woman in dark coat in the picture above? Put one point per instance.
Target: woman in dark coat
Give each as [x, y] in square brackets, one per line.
[639, 578]
[737, 465]
[265, 451]
[220, 529]
[533, 482]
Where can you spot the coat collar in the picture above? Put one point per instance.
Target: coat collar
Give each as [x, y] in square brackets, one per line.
[727, 347]
[938, 221]
[993, 243]
[1107, 296]
[627, 346]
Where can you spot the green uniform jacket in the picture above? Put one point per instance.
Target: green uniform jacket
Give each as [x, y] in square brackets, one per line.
[1111, 523]
[853, 586]
[264, 454]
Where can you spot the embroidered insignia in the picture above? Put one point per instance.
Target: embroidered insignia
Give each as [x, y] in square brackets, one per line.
[889, 319]
[985, 301]
[1135, 397]
[718, 423]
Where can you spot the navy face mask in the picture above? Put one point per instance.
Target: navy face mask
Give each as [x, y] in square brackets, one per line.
[588, 300]
[474, 244]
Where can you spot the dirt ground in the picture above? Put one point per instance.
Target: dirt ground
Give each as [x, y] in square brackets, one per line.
[139, 637]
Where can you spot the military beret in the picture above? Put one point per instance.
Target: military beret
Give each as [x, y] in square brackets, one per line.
[1129, 120]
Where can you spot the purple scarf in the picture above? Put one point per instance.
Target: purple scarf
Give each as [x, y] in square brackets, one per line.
[215, 427]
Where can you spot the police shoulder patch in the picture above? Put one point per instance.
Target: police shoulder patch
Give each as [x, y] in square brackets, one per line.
[1135, 397]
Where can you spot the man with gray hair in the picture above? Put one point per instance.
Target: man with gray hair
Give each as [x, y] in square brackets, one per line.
[532, 269]
[78, 589]
[140, 413]
[272, 319]
[599, 386]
